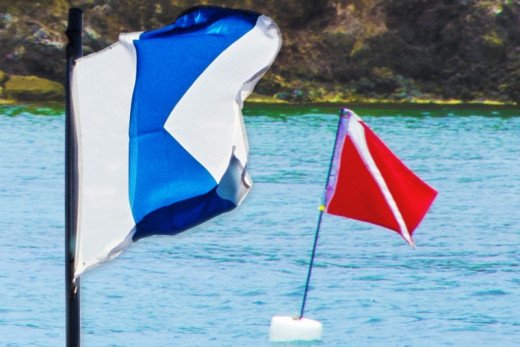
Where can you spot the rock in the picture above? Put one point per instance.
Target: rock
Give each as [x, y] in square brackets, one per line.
[33, 88]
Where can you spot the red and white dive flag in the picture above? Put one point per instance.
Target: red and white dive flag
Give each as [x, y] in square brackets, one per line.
[369, 183]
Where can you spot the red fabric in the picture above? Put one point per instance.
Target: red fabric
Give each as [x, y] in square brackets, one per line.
[412, 195]
[357, 194]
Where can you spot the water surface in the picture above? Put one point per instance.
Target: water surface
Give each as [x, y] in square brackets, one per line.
[220, 283]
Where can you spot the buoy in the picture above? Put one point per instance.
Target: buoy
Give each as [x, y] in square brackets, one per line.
[287, 328]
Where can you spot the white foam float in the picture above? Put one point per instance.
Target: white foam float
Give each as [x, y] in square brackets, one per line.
[287, 328]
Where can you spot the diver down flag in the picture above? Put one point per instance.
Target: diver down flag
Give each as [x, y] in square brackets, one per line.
[161, 141]
[370, 183]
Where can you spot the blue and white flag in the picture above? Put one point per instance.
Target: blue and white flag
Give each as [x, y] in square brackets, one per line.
[162, 145]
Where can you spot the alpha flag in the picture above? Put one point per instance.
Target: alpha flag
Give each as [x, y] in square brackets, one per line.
[161, 140]
[370, 183]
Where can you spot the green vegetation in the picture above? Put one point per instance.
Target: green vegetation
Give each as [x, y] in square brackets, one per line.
[398, 51]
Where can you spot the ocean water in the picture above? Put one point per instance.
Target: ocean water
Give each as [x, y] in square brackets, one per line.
[220, 283]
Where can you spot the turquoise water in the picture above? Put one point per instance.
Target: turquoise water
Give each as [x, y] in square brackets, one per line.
[220, 284]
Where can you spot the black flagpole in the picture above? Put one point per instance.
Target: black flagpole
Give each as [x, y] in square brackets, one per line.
[342, 113]
[74, 50]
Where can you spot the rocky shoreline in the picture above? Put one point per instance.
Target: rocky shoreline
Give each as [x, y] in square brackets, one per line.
[19, 89]
[377, 51]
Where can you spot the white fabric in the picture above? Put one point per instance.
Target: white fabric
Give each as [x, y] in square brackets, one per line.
[235, 184]
[222, 125]
[106, 80]
[357, 133]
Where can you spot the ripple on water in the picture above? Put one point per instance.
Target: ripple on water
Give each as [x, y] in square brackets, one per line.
[220, 283]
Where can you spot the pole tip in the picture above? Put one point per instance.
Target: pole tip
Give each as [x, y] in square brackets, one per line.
[75, 20]
[343, 112]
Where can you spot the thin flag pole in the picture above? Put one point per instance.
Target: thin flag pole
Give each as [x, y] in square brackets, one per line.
[74, 51]
[342, 113]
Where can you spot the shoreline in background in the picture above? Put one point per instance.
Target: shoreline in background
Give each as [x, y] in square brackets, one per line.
[261, 100]
[334, 51]
[18, 89]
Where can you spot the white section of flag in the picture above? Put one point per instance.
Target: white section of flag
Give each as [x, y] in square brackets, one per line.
[258, 46]
[106, 80]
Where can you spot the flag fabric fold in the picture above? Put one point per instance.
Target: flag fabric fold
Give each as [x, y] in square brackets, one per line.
[162, 145]
[368, 182]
